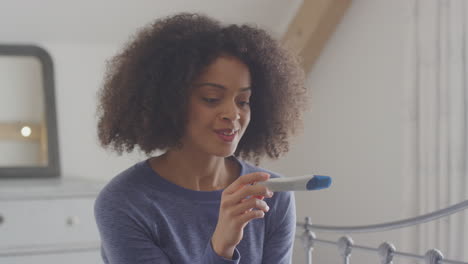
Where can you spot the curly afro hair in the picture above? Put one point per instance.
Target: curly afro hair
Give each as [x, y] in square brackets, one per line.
[143, 101]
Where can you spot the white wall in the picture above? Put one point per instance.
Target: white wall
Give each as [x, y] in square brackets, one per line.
[81, 35]
[79, 70]
[354, 129]
[79, 45]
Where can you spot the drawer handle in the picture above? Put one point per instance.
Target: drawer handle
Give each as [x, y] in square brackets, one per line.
[73, 221]
[1, 219]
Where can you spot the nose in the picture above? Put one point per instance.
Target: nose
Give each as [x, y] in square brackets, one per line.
[230, 112]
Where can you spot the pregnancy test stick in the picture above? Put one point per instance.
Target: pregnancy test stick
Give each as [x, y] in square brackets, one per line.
[298, 183]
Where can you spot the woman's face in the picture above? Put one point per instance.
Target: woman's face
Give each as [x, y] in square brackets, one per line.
[219, 111]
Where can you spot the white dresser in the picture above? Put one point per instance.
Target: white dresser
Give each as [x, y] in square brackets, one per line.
[48, 221]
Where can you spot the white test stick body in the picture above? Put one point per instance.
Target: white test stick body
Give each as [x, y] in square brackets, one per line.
[298, 183]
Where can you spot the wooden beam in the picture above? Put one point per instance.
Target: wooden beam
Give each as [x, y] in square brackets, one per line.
[312, 26]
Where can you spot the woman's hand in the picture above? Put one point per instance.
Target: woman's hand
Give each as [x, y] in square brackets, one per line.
[237, 202]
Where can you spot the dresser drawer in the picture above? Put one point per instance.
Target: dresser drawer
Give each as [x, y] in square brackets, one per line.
[53, 221]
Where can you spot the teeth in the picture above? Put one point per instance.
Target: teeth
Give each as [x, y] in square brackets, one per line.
[228, 134]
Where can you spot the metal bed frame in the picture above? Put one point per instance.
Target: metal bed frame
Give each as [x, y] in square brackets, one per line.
[386, 251]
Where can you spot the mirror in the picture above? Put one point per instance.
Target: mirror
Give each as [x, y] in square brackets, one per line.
[28, 129]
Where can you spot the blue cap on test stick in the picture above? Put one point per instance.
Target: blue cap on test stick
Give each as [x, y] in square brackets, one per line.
[318, 182]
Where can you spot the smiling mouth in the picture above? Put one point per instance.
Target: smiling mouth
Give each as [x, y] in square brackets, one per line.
[226, 135]
[229, 133]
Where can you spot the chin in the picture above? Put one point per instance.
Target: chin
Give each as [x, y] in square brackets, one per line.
[223, 152]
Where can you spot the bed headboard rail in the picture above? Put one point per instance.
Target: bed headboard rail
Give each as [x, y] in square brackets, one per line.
[386, 251]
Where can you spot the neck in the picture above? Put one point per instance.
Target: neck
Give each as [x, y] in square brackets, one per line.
[195, 172]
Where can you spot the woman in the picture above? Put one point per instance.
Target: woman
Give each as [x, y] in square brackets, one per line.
[208, 96]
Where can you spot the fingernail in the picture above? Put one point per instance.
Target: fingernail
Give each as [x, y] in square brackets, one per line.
[267, 208]
[270, 193]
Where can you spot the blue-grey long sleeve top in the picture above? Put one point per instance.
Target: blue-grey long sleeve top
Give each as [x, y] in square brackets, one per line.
[143, 218]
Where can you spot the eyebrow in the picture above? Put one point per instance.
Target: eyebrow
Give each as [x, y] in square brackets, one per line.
[220, 86]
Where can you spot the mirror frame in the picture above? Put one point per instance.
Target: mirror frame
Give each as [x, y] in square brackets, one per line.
[53, 166]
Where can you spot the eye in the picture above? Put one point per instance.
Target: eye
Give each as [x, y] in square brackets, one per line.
[244, 103]
[210, 100]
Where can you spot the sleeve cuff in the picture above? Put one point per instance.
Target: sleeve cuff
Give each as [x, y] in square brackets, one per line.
[211, 257]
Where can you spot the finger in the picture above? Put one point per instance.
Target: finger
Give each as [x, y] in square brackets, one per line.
[243, 194]
[245, 218]
[249, 205]
[252, 203]
[260, 197]
[246, 179]
[250, 191]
